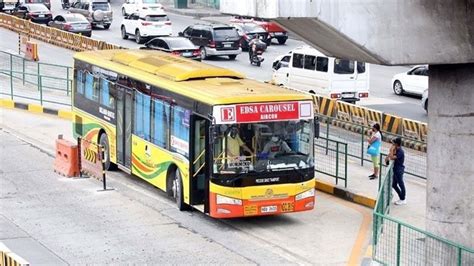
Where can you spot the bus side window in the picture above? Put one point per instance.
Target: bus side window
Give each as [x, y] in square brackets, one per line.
[180, 130]
[298, 60]
[106, 93]
[89, 86]
[343, 66]
[160, 123]
[309, 62]
[360, 67]
[142, 116]
[322, 64]
[80, 80]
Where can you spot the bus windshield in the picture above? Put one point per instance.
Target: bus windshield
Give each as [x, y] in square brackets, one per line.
[263, 147]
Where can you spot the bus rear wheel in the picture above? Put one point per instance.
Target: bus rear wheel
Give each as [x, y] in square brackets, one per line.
[104, 142]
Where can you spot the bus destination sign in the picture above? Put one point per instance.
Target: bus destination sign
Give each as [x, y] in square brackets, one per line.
[261, 112]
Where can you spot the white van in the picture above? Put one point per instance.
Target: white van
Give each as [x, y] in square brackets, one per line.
[134, 6]
[307, 69]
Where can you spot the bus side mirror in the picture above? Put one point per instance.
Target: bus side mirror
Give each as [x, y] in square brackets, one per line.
[316, 127]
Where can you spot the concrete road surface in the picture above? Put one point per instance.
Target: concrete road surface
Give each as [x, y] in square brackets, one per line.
[50, 219]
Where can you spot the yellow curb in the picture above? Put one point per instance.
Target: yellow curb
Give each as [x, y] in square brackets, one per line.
[65, 114]
[34, 108]
[7, 103]
[368, 252]
[323, 186]
[363, 200]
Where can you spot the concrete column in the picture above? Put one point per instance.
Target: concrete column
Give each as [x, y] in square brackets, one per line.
[450, 189]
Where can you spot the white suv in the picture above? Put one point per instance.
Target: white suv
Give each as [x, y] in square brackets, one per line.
[133, 6]
[146, 25]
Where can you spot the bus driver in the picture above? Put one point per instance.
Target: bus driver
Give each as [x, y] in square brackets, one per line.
[275, 146]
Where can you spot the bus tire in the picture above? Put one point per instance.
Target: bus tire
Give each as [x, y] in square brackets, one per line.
[177, 188]
[104, 142]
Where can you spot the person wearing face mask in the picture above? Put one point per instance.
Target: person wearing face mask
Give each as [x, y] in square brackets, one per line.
[234, 143]
[275, 146]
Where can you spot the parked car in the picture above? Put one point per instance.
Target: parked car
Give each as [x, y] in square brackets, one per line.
[424, 100]
[415, 81]
[247, 31]
[37, 13]
[274, 30]
[97, 12]
[146, 25]
[214, 39]
[179, 46]
[75, 23]
[134, 6]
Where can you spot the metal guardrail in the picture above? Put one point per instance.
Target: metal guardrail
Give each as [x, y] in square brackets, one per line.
[398, 243]
[356, 139]
[45, 83]
[331, 158]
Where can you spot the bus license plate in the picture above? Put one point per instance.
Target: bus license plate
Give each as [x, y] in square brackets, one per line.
[348, 95]
[268, 209]
[287, 207]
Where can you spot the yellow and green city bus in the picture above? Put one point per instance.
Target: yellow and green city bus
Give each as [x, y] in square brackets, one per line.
[212, 139]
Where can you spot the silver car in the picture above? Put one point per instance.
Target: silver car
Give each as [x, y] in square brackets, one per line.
[97, 12]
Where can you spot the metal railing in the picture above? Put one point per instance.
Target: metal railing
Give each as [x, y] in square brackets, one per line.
[331, 158]
[38, 82]
[356, 139]
[398, 243]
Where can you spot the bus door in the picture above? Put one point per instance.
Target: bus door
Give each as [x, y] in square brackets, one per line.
[199, 155]
[124, 125]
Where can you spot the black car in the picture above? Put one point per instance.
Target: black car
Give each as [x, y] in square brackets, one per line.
[214, 39]
[247, 32]
[37, 13]
[179, 46]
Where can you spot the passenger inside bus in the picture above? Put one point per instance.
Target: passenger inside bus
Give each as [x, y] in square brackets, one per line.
[233, 143]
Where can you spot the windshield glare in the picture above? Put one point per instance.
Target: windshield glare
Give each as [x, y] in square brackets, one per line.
[263, 147]
[180, 43]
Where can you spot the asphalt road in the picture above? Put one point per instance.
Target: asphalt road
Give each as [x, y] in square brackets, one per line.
[50, 219]
[381, 94]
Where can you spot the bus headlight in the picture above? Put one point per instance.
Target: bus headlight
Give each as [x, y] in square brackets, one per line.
[226, 200]
[306, 194]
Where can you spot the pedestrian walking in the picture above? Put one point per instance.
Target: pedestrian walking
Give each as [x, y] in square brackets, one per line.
[398, 156]
[375, 142]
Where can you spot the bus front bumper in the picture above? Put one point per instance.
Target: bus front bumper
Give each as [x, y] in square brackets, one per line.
[232, 208]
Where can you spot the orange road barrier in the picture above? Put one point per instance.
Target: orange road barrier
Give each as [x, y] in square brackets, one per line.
[31, 52]
[91, 159]
[392, 124]
[66, 162]
[327, 106]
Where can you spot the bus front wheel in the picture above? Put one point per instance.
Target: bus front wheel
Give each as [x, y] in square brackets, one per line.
[177, 190]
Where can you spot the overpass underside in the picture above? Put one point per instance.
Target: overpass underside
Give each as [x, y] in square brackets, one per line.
[390, 32]
[405, 32]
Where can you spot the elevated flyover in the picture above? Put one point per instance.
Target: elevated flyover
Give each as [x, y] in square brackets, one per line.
[405, 32]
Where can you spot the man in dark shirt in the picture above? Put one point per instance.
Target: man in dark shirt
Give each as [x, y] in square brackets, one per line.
[398, 156]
